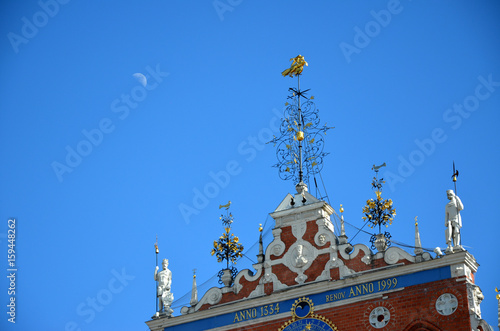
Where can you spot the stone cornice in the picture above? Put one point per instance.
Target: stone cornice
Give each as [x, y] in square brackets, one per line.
[303, 209]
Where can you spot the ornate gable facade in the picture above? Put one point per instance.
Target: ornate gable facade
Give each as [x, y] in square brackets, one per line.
[311, 278]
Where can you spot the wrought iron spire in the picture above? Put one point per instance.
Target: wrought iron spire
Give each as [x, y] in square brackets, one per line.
[300, 144]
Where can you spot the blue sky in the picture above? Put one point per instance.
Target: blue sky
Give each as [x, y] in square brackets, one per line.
[94, 165]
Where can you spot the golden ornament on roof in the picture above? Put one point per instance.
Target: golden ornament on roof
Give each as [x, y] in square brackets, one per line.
[296, 67]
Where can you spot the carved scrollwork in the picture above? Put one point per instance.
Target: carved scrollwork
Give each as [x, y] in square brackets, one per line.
[393, 254]
[214, 295]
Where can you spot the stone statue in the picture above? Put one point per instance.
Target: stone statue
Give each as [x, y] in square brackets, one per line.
[164, 279]
[453, 222]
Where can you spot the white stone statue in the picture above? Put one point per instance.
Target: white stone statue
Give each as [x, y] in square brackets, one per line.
[453, 222]
[164, 279]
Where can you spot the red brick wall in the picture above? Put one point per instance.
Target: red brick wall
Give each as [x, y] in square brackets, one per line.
[412, 309]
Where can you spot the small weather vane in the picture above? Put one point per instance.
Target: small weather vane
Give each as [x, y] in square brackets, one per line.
[454, 177]
[379, 212]
[227, 247]
[300, 143]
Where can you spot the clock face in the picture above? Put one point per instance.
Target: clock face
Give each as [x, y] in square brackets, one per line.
[308, 324]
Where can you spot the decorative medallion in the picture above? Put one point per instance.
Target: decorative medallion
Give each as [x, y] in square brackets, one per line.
[303, 318]
[322, 239]
[379, 317]
[446, 304]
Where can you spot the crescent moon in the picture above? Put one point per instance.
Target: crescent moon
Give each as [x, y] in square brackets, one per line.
[141, 78]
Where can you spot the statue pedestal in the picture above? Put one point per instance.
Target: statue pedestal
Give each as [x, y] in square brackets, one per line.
[163, 314]
[454, 249]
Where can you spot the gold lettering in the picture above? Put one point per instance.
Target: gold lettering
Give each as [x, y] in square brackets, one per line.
[242, 315]
[370, 287]
[351, 293]
[365, 288]
[248, 315]
[236, 319]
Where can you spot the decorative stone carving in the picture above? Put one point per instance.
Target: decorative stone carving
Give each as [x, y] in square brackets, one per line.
[270, 277]
[301, 259]
[355, 251]
[379, 317]
[277, 247]
[453, 222]
[394, 254]
[214, 296]
[248, 275]
[259, 291]
[475, 296]
[460, 270]
[446, 304]
[478, 298]
[300, 279]
[164, 279]
[344, 271]
[325, 275]
[321, 239]
[380, 242]
[227, 277]
[324, 224]
[299, 230]
[367, 259]
[438, 252]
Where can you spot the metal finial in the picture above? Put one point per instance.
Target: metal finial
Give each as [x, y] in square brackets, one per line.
[377, 168]
[454, 177]
[300, 143]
